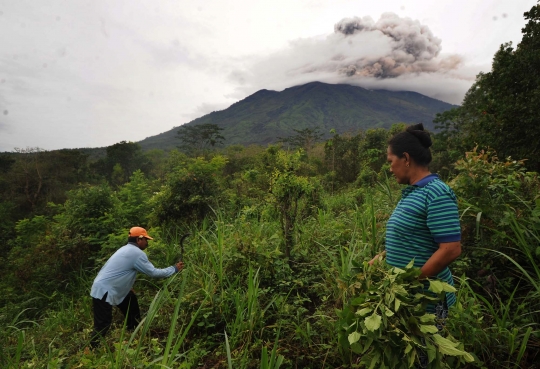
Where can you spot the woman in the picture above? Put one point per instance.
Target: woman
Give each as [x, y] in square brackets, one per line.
[425, 223]
[424, 226]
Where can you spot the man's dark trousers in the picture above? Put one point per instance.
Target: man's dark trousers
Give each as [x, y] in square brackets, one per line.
[103, 315]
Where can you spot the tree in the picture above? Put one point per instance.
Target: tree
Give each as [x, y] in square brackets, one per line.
[287, 189]
[192, 189]
[342, 153]
[196, 139]
[372, 154]
[500, 109]
[303, 139]
[29, 168]
[448, 145]
[123, 158]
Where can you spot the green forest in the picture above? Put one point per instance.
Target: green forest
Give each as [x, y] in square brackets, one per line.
[276, 272]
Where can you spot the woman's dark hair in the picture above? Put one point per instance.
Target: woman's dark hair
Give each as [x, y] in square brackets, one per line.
[414, 141]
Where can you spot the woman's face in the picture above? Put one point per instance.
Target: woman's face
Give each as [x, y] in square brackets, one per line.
[398, 166]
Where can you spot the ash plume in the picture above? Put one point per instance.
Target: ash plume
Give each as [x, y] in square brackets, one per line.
[390, 53]
[413, 47]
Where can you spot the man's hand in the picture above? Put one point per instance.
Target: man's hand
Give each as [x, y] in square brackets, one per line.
[179, 265]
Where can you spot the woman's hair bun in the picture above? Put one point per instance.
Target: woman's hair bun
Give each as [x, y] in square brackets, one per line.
[417, 130]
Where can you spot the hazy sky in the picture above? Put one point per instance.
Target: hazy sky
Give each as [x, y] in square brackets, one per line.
[94, 73]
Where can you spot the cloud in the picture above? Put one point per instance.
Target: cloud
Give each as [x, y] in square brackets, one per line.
[206, 108]
[393, 53]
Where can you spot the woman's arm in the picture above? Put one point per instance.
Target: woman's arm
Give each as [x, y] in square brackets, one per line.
[447, 253]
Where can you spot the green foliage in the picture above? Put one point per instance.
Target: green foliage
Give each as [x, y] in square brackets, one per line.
[122, 160]
[241, 209]
[87, 213]
[287, 189]
[192, 189]
[303, 139]
[493, 187]
[196, 139]
[33, 177]
[497, 110]
[265, 115]
[134, 205]
[341, 154]
[385, 324]
[448, 146]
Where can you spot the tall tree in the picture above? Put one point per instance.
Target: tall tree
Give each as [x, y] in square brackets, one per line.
[501, 109]
[196, 139]
[342, 153]
[303, 139]
[123, 159]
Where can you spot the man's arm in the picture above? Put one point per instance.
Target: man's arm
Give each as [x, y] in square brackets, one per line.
[143, 265]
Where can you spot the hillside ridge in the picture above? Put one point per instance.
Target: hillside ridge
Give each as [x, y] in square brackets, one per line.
[265, 115]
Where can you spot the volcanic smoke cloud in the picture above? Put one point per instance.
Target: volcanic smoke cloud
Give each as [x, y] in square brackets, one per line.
[393, 53]
[413, 48]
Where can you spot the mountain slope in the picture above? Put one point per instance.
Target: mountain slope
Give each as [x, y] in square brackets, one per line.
[266, 115]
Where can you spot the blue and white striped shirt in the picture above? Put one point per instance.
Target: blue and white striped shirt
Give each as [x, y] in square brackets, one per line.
[426, 215]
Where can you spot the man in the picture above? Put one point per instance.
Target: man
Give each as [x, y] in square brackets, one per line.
[112, 286]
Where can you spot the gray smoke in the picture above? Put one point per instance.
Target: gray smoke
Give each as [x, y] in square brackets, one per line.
[348, 26]
[413, 48]
[393, 53]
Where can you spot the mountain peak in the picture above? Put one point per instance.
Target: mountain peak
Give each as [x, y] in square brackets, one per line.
[266, 115]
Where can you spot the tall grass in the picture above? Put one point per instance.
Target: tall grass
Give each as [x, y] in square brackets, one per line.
[240, 304]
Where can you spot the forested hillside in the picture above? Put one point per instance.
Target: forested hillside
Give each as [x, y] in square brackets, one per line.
[265, 116]
[276, 272]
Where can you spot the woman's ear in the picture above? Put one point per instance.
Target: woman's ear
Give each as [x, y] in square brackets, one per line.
[407, 158]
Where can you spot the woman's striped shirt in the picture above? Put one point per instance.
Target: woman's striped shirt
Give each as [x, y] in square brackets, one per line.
[426, 215]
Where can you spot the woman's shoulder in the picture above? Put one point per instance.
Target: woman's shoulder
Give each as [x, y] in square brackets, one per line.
[438, 189]
[438, 185]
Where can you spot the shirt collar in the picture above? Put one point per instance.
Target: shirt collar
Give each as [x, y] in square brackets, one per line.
[427, 179]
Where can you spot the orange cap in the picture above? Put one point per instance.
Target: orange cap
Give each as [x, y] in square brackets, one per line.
[139, 232]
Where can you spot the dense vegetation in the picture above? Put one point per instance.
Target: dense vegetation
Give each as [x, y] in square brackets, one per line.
[276, 273]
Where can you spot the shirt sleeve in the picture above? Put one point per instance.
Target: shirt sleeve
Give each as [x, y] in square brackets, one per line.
[443, 218]
[143, 265]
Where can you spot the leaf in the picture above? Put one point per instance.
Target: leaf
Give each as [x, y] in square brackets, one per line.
[448, 288]
[388, 312]
[367, 345]
[373, 322]
[374, 360]
[431, 352]
[439, 286]
[397, 303]
[427, 318]
[408, 348]
[448, 347]
[399, 289]
[412, 356]
[354, 337]
[410, 265]
[364, 311]
[356, 348]
[428, 328]
[435, 286]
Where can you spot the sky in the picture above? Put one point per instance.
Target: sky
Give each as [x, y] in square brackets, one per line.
[77, 74]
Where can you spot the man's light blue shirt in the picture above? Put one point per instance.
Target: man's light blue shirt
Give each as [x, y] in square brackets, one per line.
[118, 274]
